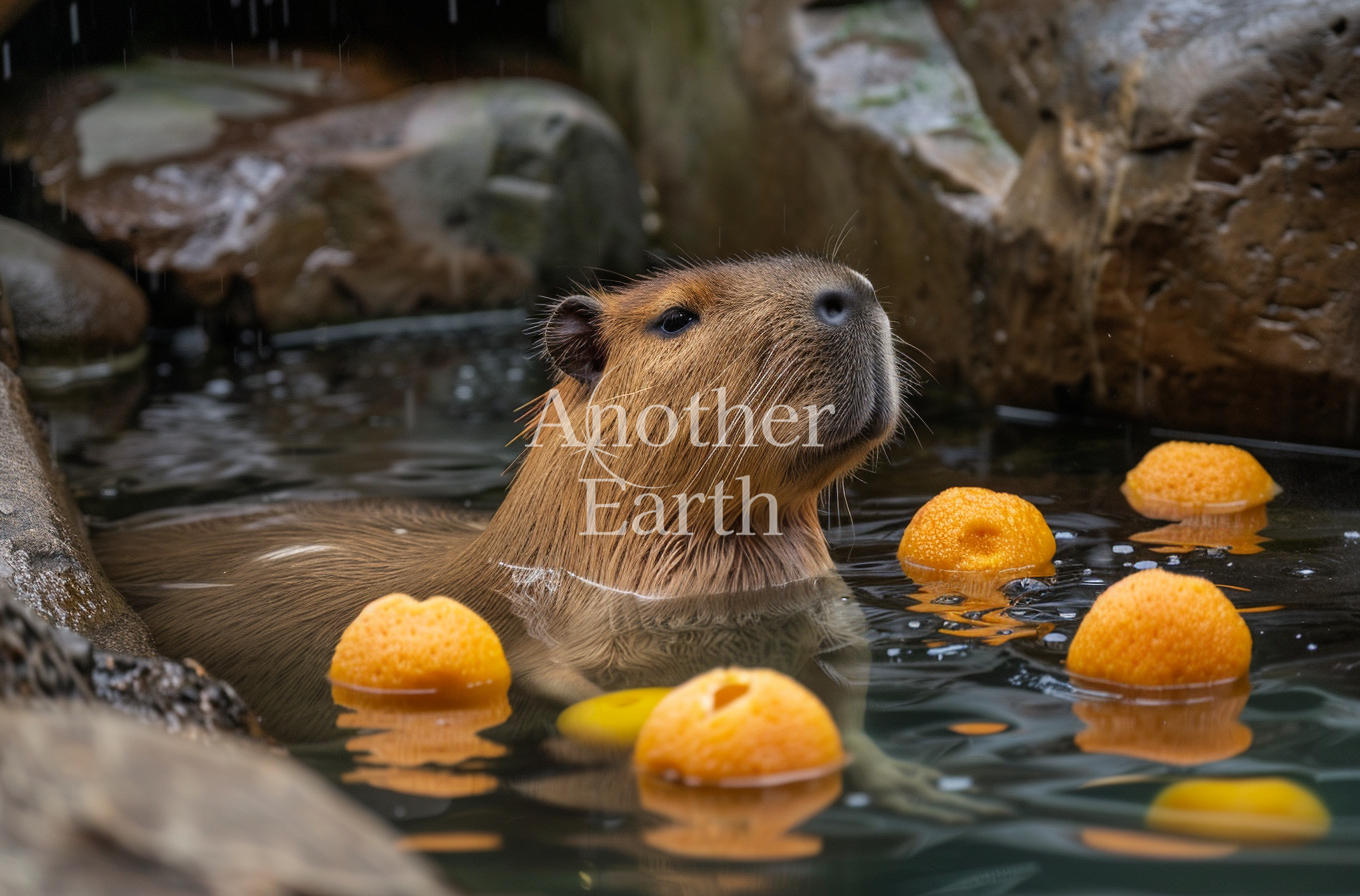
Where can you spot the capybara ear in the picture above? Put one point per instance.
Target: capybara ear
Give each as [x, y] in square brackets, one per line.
[572, 340]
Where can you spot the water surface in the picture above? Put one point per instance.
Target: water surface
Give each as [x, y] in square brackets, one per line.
[427, 411]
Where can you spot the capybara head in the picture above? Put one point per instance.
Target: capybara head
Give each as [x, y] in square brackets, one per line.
[720, 397]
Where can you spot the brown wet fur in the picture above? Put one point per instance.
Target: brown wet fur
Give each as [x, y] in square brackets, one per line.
[261, 596]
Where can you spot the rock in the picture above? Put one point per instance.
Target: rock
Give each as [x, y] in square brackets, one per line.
[846, 129]
[1166, 231]
[179, 696]
[38, 660]
[44, 549]
[1180, 242]
[69, 307]
[95, 803]
[9, 343]
[440, 197]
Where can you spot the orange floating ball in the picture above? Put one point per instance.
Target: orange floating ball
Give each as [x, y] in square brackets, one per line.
[1181, 480]
[1245, 810]
[1155, 629]
[976, 530]
[739, 727]
[435, 653]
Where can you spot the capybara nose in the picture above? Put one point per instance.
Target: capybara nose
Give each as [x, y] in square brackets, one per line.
[834, 306]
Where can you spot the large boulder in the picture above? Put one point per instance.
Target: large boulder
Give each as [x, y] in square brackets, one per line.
[1180, 244]
[9, 342]
[765, 125]
[44, 548]
[95, 803]
[1166, 231]
[447, 196]
[69, 307]
[39, 661]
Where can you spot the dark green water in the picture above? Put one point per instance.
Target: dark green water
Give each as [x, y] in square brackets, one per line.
[429, 416]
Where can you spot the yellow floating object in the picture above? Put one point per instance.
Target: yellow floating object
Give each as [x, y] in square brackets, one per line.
[1245, 810]
[1158, 629]
[404, 653]
[611, 720]
[739, 727]
[976, 530]
[1183, 480]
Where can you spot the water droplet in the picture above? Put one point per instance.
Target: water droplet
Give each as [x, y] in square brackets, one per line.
[1067, 615]
[1122, 549]
[1148, 564]
[218, 388]
[1353, 534]
[950, 783]
[1063, 536]
[894, 651]
[914, 624]
[1054, 638]
[1173, 560]
[1312, 647]
[857, 800]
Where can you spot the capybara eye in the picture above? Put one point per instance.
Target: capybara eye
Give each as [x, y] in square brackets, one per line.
[674, 321]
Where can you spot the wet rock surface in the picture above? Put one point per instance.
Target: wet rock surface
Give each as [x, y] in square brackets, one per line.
[68, 306]
[44, 550]
[38, 660]
[1168, 236]
[1180, 243]
[849, 130]
[9, 342]
[95, 803]
[324, 209]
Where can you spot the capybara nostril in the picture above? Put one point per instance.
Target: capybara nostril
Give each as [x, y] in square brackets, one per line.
[832, 306]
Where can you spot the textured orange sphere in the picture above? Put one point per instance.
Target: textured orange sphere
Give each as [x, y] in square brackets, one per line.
[1155, 629]
[431, 653]
[976, 530]
[1180, 480]
[738, 726]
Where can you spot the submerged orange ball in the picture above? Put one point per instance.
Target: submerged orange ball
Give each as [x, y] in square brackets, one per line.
[739, 726]
[1250, 810]
[1155, 629]
[1178, 480]
[976, 530]
[434, 652]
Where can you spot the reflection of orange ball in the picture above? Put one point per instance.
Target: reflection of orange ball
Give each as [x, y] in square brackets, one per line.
[976, 530]
[743, 824]
[1194, 727]
[1251, 810]
[1156, 628]
[432, 653]
[1179, 480]
[739, 726]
